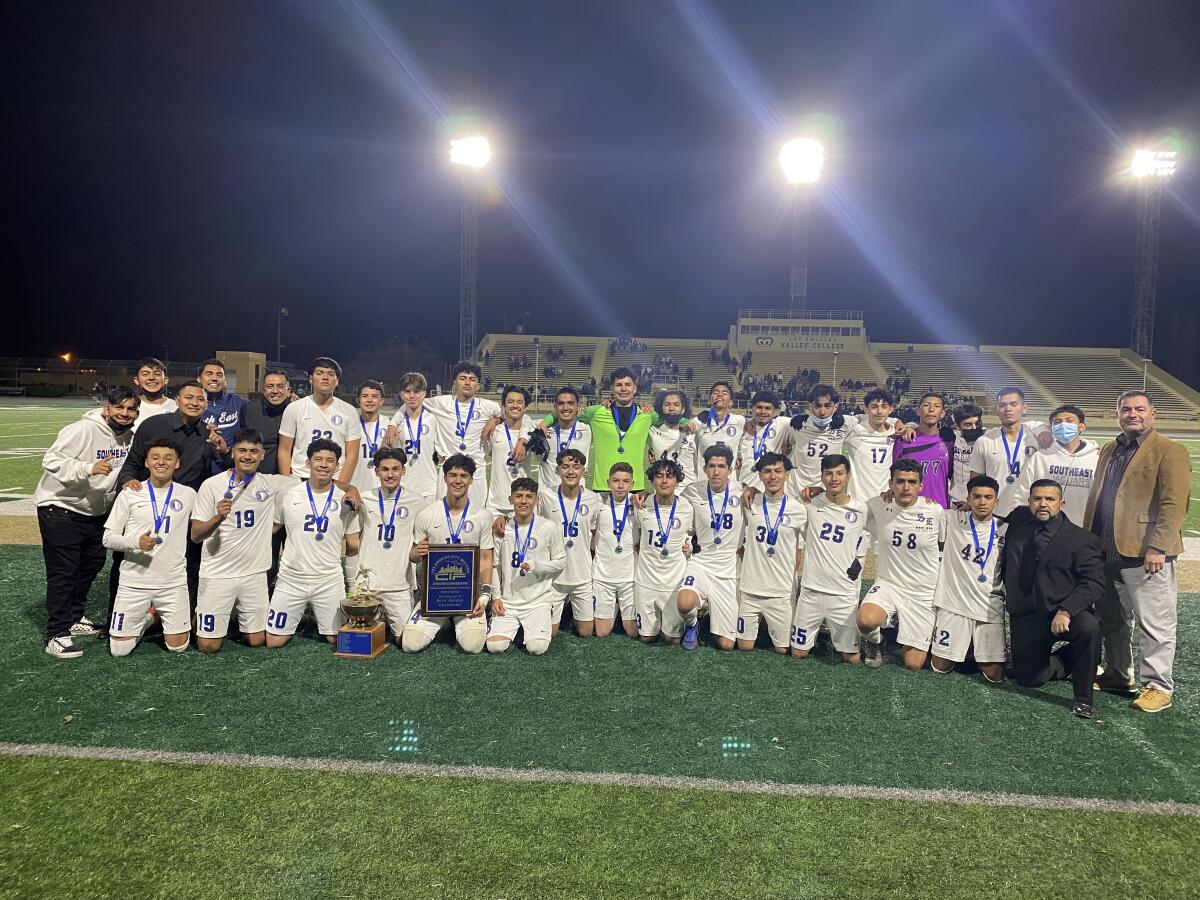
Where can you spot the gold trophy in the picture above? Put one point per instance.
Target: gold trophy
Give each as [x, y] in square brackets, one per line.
[364, 636]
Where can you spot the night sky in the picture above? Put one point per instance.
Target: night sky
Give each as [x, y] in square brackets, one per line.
[182, 169]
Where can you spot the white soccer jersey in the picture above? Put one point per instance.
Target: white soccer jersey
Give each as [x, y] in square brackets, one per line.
[870, 455]
[655, 571]
[611, 566]
[543, 549]
[576, 526]
[767, 438]
[371, 435]
[810, 445]
[906, 545]
[132, 515]
[473, 526]
[767, 574]
[990, 457]
[959, 589]
[241, 544]
[505, 469]
[711, 431]
[386, 522]
[416, 438]
[313, 550]
[149, 410]
[576, 436]
[306, 422]
[1074, 471]
[676, 445]
[962, 468]
[452, 417]
[724, 519]
[833, 539]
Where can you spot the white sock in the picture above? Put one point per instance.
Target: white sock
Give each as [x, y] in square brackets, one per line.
[691, 617]
[873, 637]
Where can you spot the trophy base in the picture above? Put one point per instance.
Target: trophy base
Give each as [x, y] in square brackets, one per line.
[361, 643]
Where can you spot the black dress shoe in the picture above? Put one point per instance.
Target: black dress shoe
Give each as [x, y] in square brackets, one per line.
[1083, 710]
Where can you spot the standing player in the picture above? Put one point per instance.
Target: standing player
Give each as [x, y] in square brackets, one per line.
[813, 437]
[932, 447]
[413, 431]
[531, 554]
[967, 615]
[833, 541]
[459, 418]
[232, 521]
[505, 468]
[614, 542]
[567, 433]
[576, 511]
[718, 426]
[710, 581]
[668, 440]
[869, 446]
[968, 420]
[310, 570]
[772, 538]
[1070, 460]
[319, 416]
[909, 531]
[1002, 452]
[153, 570]
[763, 434]
[151, 383]
[666, 523]
[371, 430]
[455, 519]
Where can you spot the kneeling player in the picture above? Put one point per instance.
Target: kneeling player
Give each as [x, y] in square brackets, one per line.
[773, 537]
[908, 532]
[614, 541]
[967, 614]
[532, 553]
[310, 570]
[153, 572]
[666, 524]
[576, 510]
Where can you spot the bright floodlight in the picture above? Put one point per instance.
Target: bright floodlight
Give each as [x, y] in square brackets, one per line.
[802, 160]
[472, 151]
[1159, 163]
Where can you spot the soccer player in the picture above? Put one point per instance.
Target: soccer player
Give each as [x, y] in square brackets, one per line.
[371, 430]
[319, 416]
[150, 379]
[868, 446]
[232, 522]
[909, 531]
[967, 615]
[266, 414]
[532, 554]
[669, 440]
[1002, 452]
[666, 522]
[455, 519]
[568, 433]
[819, 434]
[387, 518]
[613, 542]
[773, 536]
[223, 407]
[73, 496]
[763, 434]
[310, 570]
[576, 511]
[710, 579]
[718, 426]
[968, 420]
[413, 431]
[153, 570]
[833, 542]
[1070, 460]
[931, 446]
[505, 467]
[459, 418]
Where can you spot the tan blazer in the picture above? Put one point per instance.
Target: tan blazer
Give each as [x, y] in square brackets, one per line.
[1152, 498]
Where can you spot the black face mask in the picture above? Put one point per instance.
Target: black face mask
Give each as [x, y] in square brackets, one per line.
[153, 395]
[117, 427]
[972, 434]
[672, 418]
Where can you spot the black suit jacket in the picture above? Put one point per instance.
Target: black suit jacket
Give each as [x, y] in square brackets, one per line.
[1069, 573]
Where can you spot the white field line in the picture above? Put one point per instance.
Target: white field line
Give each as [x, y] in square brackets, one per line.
[614, 779]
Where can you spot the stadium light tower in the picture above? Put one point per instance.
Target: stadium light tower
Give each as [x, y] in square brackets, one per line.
[801, 160]
[472, 154]
[1152, 169]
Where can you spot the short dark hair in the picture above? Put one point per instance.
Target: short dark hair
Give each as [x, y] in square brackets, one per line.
[320, 444]
[150, 362]
[662, 396]
[620, 467]
[211, 361]
[665, 465]
[523, 484]
[983, 481]
[824, 390]
[566, 390]
[1046, 483]
[622, 372]
[275, 370]
[1069, 408]
[765, 397]
[833, 460]
[370, 384]
[927, 394]
[967, 411]
[459, 461]
[571, 453]
[906, 465]
[395, 453]
[246, 436]
[770, 459]
[514, 389]
[718, 450]
[722, 383]
[1010, 389]
[191, 382]
[468, 367]
[118, 395]
[165, 442]
[325, 362]
[412, 380]
[878, 394]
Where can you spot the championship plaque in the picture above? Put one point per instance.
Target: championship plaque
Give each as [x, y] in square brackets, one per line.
[451, 580]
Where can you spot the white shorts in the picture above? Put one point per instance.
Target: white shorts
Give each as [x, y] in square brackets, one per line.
[914, 619]
[953, 635]
[718, 595]
[655, 612]
[431, 625]
[397, 607]
[292, 597]
[132, 604]
[535, 623]
[583, 602]
[838, 611]
[609, 598]
[776, 611]
[217, 597]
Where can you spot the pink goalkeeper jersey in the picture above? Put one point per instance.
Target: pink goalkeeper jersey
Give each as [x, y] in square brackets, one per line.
[934, 456]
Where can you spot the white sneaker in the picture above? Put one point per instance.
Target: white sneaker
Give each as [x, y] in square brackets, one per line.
[63, 648]
[84, 627]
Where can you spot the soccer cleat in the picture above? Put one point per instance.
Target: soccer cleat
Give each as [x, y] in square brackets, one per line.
[691, 636]
[1152, 700]
[1115, 684]
[872, 655]
[1083, 710]
[84, 627]
[63, 648]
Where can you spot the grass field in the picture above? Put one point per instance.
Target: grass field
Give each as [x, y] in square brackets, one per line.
[759, 725]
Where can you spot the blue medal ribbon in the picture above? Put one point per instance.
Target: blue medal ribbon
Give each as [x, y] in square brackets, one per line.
[512, 465]
[712, 419]
[372, 446]
[563, 445]
[618, 530]
[773, 530]
[233, 479]
[461, 426]
[979, 546]
[388, 526]
[319, 522]
[415, 442]
[716, 519]
[166, 509]
[1014, 458]
[455, 532]
[760, 447]
[665, 535]
[524, 548]
[568, 527]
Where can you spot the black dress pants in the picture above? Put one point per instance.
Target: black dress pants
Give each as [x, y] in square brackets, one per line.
[74, 555]
[1034, 664]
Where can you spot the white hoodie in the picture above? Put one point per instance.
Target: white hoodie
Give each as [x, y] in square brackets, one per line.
[67, 478]
[1074, 471]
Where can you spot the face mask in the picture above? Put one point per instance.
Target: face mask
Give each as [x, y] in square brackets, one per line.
[1065, 432]
[821, 423]
[153, 395]
[117, 427]
[672, 418]
[972, 434]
